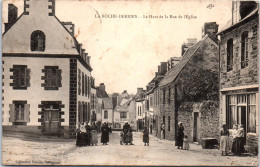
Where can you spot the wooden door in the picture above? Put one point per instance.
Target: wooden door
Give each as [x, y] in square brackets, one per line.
[51, 120]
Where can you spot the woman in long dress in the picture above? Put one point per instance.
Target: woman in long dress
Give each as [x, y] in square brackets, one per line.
[238, 143]
[179, 137]
[105, 130]
[146, 136]
[224, 140]
[80, 141]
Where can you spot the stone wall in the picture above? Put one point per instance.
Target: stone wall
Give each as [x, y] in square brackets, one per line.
[208, 119]
[237, 76]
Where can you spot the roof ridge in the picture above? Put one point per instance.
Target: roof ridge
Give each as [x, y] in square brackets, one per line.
[200, 42]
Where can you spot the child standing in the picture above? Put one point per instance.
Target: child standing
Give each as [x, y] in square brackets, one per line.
[121, 138]
[186, 145]
[146, 136]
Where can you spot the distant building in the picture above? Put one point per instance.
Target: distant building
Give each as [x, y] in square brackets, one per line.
[101, 94]
[140, 108]
[239, 71]
[186, 46]
[172, 62]
[46, 72]
[151, 109]
[107, 111]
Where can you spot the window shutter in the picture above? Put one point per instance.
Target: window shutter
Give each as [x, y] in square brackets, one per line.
[12, 112]
[86, 85]
[27, 77]
[59, 78]
[27, 112]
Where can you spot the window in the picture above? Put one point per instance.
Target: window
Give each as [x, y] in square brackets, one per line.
[169, 93]
[252, 113]
[123, 115]
[80, 112]
[244, 50]
[169, 123]
[86, 85]
[38, 41]
[21, 77]
[151, 101]
[241, 109]
[105, 114]
[19, 112]
[83, 84]
[79, 81]
[235, 13]
[52, 78]
[230, 55]
[164, 96]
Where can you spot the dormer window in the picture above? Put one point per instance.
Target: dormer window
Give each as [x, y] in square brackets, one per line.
[235, 14]
[38, 41]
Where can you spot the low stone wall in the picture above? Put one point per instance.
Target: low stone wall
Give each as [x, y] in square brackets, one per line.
[208, 119]
[252, 143]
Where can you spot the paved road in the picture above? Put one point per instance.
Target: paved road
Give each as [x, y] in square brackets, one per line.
[22, 151]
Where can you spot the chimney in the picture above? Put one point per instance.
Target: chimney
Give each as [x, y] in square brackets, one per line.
[210, 28]
[70, 27]
[12, 16]
[102, 87]
[139, 90]
[163, 68]
[159, 70]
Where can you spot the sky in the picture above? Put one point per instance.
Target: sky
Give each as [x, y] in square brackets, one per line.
[125, 52]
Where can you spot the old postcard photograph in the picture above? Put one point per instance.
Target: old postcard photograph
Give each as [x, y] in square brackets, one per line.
[130, 82]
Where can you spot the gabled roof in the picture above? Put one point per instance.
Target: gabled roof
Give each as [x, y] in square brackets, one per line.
[174, 72]
[107, 103]
[125, 106]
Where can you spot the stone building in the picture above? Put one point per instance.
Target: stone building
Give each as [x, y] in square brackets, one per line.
[172, 62]
[152, 106]
[100, 94]
[46, 73]
[139, 110]
[239, 64]
[188, 93]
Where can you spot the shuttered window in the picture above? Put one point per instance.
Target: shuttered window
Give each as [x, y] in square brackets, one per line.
[52, 78]
[21, 77]
[86, 85]
[230, 55]
[79, 82]
[19, 111]
[83, 84]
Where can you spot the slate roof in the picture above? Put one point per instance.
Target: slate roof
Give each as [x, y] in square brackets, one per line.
[101, 93]
[174, 72]
[107, 103]
[125, 106]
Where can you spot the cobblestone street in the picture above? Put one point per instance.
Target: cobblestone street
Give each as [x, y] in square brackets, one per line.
[32, 150]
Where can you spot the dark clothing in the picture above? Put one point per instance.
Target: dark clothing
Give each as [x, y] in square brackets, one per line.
[238, 145]
[88, 135]
[145, 136]
[224, 132]
[105, 130]
[180, 135]
[126, 127]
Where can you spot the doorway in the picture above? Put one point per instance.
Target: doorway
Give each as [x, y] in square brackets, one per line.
[195, 127]
[51, 119]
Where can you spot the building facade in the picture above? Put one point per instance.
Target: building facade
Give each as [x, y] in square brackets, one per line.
[239, 64]
[46, 73]
[189, 89]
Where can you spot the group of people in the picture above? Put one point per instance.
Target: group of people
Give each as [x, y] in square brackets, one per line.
[86, 135]
[238, 140]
